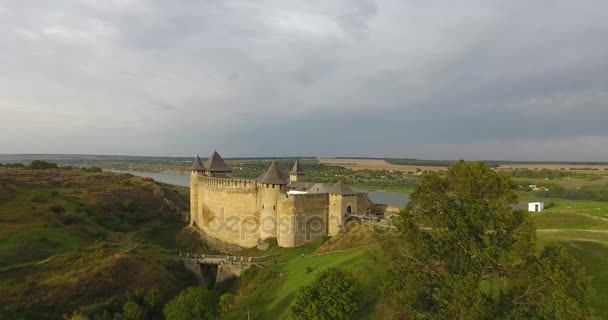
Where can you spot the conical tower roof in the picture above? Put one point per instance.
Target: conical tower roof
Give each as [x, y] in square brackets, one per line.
[198, 165]
[297, 168]
[215, 163]
[341, 189]
[272, 175]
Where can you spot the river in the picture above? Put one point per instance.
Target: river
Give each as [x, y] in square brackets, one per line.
[384, 197]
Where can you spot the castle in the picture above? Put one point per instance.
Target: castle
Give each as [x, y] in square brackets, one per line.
[292, 210]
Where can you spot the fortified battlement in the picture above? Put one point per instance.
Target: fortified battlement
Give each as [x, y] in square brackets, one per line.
[244, 212]
[307, 195]
[227, 182]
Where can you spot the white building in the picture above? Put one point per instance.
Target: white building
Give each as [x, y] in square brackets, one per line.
[536, 206]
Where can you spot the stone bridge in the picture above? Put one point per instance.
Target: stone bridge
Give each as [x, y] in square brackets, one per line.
[214, 269]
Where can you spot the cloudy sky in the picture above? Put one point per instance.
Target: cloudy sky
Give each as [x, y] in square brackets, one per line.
[473, 79]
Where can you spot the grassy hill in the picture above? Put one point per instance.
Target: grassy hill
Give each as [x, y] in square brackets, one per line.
[71, 239]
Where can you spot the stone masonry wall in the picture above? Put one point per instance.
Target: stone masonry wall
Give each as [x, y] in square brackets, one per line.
[302, 219]
[228, 210]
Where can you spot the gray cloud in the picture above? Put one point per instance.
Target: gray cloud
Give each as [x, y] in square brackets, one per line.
[341, 77]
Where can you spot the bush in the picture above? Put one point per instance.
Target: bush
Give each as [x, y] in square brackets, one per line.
[71, 218]
[226, 301]
[57, 209]
[194, 303]
[39, 164]
[39, 197]
[15, 165]
[252, 277]
[332, 295]
[92, 169]
[133, 311]
[128, 205]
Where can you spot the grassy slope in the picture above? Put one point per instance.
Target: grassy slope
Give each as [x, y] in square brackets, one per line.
[54, 262]
[291, 271]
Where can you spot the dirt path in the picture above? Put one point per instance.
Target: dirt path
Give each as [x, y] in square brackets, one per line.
[576, 230]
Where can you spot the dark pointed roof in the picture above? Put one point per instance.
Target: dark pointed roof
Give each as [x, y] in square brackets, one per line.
[340, 188]
[215, 163]
[297, 168]
[198, 165]
[272, 175]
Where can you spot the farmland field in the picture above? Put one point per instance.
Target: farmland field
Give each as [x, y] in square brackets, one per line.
[376, 164]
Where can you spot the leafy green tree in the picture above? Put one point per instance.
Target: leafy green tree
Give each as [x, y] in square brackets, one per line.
[332, 295]
[463, 252]
[194, 303]
[153, 300]
[226, 301]
[133, 311]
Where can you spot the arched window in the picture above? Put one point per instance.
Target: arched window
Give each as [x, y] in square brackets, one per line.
[349, 209]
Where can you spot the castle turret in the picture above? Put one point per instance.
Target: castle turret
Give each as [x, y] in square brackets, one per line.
[216, 166]
[342, 203]
[197, 168]
[273, 185]
[297, 173]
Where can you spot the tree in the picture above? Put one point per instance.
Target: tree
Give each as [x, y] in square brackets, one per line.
[194, 303]
[226, 301]
[332, 295]
[153, 301]
[463, 252]
[133, 311]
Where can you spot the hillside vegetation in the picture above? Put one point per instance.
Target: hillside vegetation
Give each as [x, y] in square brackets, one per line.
[74, 239]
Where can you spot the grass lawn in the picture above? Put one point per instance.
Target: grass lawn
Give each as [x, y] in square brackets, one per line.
[572, 214]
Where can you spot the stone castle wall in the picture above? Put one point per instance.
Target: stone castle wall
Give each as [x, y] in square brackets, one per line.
[302, 218]
[235, 211]
[227, 210]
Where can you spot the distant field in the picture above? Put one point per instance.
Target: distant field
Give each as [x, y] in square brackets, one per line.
[392, 164]
[376, 164]
[591, 168]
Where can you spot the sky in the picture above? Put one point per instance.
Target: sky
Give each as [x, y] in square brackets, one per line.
[467, 79]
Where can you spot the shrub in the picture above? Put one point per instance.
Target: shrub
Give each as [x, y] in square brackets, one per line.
[226, 301]
[133, 311]
[252, 277]
[128, 205]
[15, 165]
[39, 197]
[194, 303]
[71, 218]
[332, 295]
[57, 209]
[39, 164]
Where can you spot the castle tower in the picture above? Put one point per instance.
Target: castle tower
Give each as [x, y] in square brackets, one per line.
[342, 203]
[272, 186]
[297, 173]
[196, 169]
[216, 166]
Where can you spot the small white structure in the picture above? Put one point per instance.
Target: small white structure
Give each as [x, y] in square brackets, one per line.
[536, 206]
